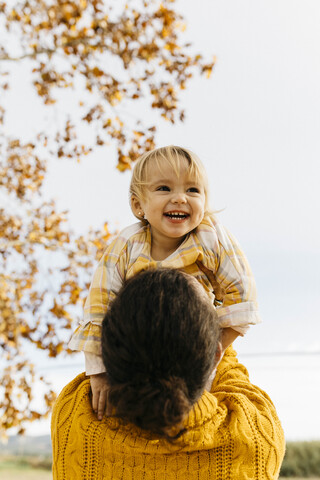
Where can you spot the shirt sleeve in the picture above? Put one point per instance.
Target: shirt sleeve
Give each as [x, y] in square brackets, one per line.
[107, 281]
[238, 307]
[94, 364]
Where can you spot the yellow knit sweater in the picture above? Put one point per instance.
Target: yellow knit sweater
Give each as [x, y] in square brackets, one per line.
[232, 433]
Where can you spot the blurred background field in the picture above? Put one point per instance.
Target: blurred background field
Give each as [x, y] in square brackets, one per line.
[11, 471]
[27, 458]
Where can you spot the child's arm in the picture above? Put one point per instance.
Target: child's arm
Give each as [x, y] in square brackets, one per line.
[106, 282]
[96, 370]
[228, 336]
[232, 273]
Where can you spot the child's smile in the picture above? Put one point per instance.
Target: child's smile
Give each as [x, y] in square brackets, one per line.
[177, 216]
[174, 205]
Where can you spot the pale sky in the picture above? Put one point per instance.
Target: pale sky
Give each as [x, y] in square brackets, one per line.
[255, 124]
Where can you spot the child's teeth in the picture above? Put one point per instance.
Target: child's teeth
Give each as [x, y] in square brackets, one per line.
[176, 214]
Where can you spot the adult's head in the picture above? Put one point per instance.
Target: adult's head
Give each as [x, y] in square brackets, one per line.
[160, 341]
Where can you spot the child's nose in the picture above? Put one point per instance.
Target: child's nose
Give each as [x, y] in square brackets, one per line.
[179, 198]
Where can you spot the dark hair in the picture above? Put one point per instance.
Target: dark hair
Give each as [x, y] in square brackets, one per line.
[159, 340]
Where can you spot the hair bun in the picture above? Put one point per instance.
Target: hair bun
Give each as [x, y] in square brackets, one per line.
[156, 405]
[174, 400]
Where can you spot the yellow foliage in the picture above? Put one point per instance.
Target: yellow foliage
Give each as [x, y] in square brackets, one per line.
[64, 44]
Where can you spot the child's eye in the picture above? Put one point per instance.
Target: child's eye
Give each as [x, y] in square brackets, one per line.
[193, 190]
[163, 188]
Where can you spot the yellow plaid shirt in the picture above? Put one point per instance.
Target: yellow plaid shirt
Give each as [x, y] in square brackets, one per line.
[210, 245]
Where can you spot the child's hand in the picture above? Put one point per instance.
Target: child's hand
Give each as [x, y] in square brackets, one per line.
[99, 388]
[228, 336]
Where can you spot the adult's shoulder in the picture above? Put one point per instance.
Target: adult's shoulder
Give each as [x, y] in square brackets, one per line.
[249, 404]
[78, 387]
[71, 396]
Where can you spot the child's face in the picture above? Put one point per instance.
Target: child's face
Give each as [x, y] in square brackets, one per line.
[173, 205]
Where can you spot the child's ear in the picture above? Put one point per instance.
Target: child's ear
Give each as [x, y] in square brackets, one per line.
[136, 207]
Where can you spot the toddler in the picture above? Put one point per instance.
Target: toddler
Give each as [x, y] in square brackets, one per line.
[169, 196]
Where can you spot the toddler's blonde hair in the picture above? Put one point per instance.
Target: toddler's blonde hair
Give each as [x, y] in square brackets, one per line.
[174, 156]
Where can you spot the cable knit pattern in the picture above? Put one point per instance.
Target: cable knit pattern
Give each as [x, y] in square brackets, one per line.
[232, 433]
